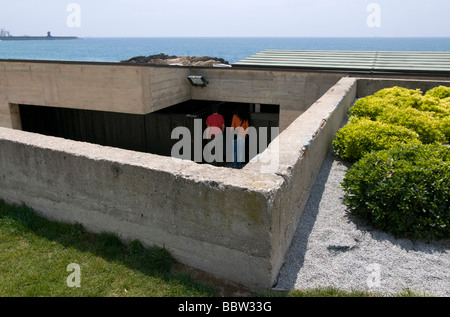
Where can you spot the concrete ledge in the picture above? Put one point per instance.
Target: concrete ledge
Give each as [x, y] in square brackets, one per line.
[303, 147]
[236, 224]
[193, 210]
[102, 87]
[368, 87]
[142, 89]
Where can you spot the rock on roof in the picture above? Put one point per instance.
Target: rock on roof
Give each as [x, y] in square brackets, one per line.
[163, 59]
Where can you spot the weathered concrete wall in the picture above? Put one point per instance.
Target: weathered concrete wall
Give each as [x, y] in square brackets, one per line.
[214, 219]
[302, 148]
[293, 91]
[144, 89]
[168, 86]
[137, 89]
[236, 224]
[103, 87]
[368, 87]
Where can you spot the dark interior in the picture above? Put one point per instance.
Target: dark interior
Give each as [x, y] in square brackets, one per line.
[149, 133]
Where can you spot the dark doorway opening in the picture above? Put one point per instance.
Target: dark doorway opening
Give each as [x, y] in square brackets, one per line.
[151, 133]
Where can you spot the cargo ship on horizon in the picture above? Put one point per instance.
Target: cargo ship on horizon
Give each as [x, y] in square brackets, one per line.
[6, 36]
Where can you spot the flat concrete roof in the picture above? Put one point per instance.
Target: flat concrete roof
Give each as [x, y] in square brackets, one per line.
[352, 61]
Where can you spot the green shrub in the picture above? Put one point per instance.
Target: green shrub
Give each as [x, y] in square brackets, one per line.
[404, 190]
[440, 92]
[421, 122]
[439, 108]
[399, 93]
[370, 107]
[400, 97]
[445, 102]
[362, 136]
[387, 99]
[444, 127]
[409, 108]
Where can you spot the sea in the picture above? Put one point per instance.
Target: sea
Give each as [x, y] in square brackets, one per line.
[231, 49]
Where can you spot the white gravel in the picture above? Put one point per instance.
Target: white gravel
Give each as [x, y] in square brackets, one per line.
[332, 248]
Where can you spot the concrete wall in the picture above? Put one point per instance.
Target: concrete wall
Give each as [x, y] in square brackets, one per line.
[294, 92]
[302, 148]
[236, 224]
[168, 86]
[144, 89]
[368, 87]
[104, 87]
[214, 219]
[136, 89]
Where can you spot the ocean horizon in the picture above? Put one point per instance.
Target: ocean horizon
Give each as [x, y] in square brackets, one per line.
[232, 49]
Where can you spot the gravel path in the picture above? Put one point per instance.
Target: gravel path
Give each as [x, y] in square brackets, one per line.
[331, 248]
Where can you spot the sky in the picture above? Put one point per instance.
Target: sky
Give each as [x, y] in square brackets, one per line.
[232, 18]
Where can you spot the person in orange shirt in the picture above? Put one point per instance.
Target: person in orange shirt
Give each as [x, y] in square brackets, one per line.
[239, 127]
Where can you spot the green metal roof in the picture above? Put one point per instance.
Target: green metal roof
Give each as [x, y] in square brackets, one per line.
[363, 61]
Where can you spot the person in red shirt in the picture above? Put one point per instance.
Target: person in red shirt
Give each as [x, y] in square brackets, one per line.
[215, 123]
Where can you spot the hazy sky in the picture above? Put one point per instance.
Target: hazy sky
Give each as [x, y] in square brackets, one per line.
[163, 18]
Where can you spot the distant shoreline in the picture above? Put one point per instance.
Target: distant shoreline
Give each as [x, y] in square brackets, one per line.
[6, 36]
[38, 38]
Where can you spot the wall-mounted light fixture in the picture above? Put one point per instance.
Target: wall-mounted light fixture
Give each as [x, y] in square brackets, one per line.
[198, 81]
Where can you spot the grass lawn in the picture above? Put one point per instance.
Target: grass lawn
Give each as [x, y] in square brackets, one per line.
[35, 254]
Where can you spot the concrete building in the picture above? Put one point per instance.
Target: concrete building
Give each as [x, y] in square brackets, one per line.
[236, 224]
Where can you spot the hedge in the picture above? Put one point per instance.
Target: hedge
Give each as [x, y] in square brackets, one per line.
[404, 190]
[426, 114]
[400, 182]
[362, 136]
